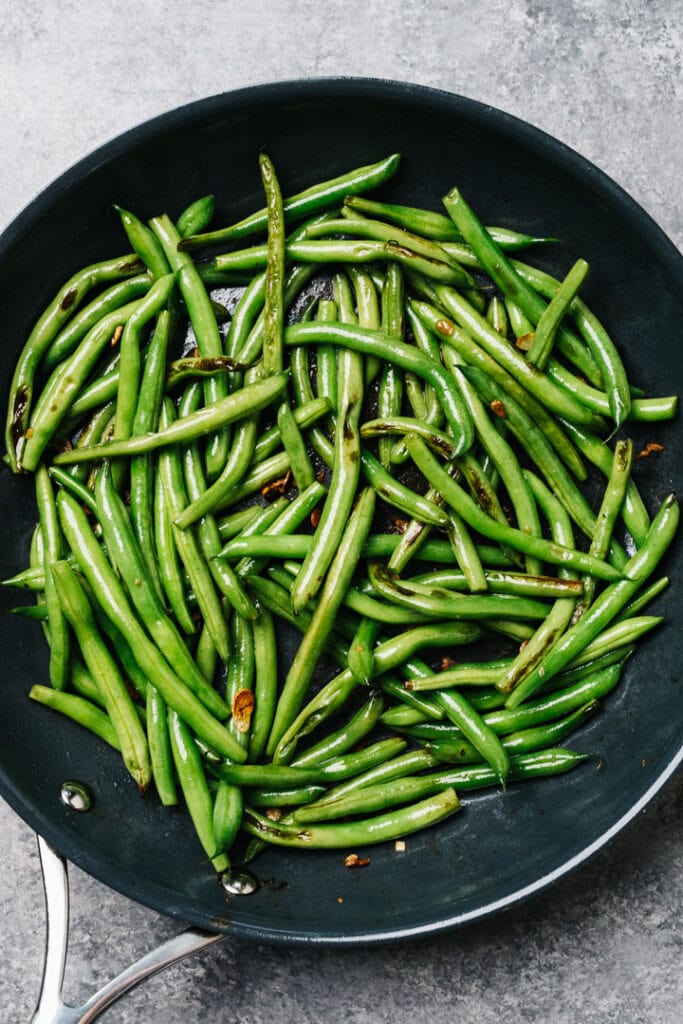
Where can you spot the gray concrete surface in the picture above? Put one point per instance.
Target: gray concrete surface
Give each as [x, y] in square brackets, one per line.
[605, 946]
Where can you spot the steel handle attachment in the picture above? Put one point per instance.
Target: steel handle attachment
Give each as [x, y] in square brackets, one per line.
[51, 1007]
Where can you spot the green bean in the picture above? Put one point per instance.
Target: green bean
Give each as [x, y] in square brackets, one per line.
[368, 312]
[52, 552]
[35, 612]
[413, 538]
[196, 216]
[612, 500]
[170, 572]
[102, 667]
[83, 683]
[60, 309]
[135, 677]
[553, 705]
[241, 672]
[147, 419]
[223, 576]
[326, 360]
[226, 410]
[552, 315]
[376, 546]
[79, 710]
[647, 594]
[160, 747]
[548, 551]
[265, 690]
[402, 716]
[361, 659]
[97, 427]
[323, 195]
[191, 367]
[466, 674]
[394, 493]
[395, 768]
[499, 582]
[188, 764]
[335, 769]
[341, 568]
[376, 230]
[274, 595]
[343, 296]
[345, 738]
[295, 446]
[270, 471]
[390, 393]
[298, 276]
[206, 655]
[345, 473]
[608, 604]
[424, 401]
[233, 524]
[379, 829]
[111, 597]
[440, 603]
[482, 489]
[263, 797]
[435, 225]
[275, 269]
[228, 809]
[406, 356]
[144, 242]
[536, 714]
[477, 730]
[497, 316]
[622, 632]
[522, 327]
[203, 320]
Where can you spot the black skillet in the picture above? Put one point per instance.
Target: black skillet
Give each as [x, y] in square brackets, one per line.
[501, 848]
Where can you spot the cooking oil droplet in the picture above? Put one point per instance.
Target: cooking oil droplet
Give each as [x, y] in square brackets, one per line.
[238, 883]
[76, 795]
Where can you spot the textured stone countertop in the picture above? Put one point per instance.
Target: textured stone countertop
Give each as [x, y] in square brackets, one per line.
[604, 946]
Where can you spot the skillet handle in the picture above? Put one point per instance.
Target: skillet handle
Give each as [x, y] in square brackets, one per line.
[51, 1007]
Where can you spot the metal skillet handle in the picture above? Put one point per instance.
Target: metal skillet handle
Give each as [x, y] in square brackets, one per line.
[51, 1007]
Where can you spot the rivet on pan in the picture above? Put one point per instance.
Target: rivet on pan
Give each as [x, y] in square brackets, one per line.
[76, 795]
[238, 883]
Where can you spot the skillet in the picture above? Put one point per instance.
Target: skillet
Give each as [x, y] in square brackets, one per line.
[500, 849]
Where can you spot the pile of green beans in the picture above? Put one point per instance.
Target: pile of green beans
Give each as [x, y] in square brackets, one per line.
[381, 447]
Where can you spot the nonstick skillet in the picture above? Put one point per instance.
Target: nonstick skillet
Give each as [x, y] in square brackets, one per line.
[502, 848]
